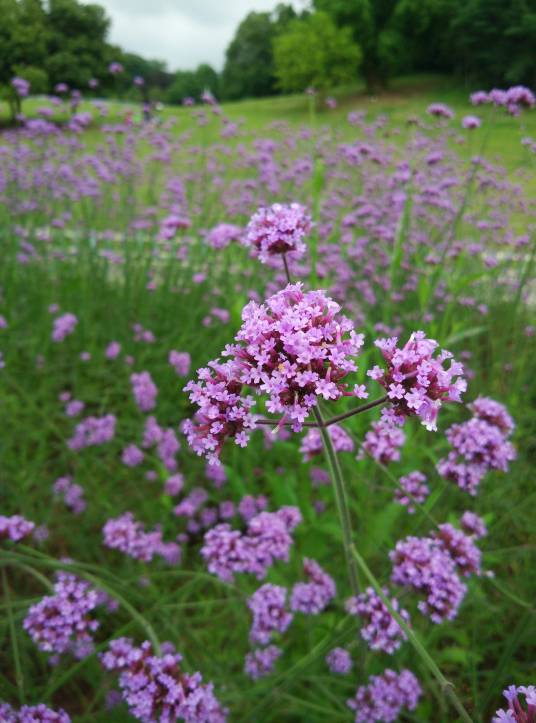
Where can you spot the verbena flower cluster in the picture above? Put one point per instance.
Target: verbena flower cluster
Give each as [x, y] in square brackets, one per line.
[15, 528]
[479, 445]
[383, 441]
[126, 534]
[64, 326]
[312, 597]
[380, 630]
[92, 432]
[270, 615]
[385, 697]
[261, 662]
[414, 490]
[516, 712]
[71, 493]
[432, 566]
[228, 552]
[144, 390]
[155, 687]
[311, 445]
[416, 382]
[64, 622]
[278, 229]
[339, 661]
[295, 348]
[32, 714]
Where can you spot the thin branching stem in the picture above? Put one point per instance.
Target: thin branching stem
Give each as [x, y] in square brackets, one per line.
[332, 420]
[340, 498]
[447, 688]
[287, 271]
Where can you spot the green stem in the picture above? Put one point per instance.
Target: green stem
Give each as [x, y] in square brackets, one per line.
[447, 688]
[13, 633]
[340, 498]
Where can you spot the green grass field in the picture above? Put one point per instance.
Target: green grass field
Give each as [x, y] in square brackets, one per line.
[134, 276]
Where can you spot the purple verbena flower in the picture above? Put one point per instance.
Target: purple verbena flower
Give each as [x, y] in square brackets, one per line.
[414, 489]
[385, 696]
[314, 596]
[144, 390]
[155, 687]
[416, 382]
[311, 444]
[63, 622]
[63, 326]
[278, 229]
[268, 606]
[339, 661]
[260, 662]
[15, 528]
[380, 630]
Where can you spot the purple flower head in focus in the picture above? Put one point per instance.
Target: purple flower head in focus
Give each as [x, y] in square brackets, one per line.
[417, 383]
[278, 229]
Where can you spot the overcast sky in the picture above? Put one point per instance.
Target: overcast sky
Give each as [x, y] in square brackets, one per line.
[182, 32]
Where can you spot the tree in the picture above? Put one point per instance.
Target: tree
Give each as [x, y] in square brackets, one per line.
[191, 83]
[22, 36]
[369, 24]
[249, 64]
[77, 47]
[494, 41]
[314, 52]
[249, 69]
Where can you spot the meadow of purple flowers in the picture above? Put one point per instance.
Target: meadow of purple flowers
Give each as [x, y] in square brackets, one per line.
[268, 419]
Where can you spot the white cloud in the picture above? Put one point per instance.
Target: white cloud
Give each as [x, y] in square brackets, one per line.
[184, 33]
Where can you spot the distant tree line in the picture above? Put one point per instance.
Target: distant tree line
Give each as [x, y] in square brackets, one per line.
[334, 42]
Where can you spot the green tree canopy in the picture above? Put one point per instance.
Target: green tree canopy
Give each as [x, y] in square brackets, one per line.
[191, 83]
[249, 69]
[314, 52]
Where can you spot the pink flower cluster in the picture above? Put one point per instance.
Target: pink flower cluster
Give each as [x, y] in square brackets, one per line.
[63, 622]
[515, 712]
[278, 229]
[339, 661]
[479, 445]
[314, 596]
[63, 326]
[268, 606]
[294, 347]
[72, 494]
[380, 631]
[383, 441]
[126, 534]
[433, 565]
[440, 110]
[416, 382]
[32, 714]
[385, 696]
[311, 445]
[223, 413]
[414, 489]
[223, 234]
[166, 441]
[227, 551]
[514, 99]
[180, 361]
[156, 689]
[93, 431]
[144, 390]
[15, 528]
[260, 662]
